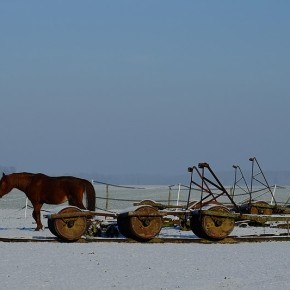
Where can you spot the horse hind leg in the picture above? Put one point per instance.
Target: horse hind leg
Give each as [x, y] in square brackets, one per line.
[36, 216]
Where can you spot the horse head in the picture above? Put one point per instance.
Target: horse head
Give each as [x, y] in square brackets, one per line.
[4, 185]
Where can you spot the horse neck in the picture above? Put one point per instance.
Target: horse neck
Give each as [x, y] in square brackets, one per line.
[20, 180]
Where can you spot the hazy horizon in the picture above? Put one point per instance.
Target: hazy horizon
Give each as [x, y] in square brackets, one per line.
[277, 177]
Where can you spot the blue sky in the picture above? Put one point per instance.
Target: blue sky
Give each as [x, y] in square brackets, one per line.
[144, 87]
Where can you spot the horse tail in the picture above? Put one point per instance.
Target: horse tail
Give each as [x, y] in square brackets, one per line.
[91, 196]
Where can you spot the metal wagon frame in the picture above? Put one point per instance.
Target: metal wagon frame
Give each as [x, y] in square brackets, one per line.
[208, 218]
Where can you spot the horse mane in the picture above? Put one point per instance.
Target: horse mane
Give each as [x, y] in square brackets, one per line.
[21, 179]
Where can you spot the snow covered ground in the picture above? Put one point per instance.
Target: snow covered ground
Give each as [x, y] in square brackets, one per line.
[46, 265]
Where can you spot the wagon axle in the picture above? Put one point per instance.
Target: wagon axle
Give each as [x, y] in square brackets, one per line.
[70, 223]
[145, 221]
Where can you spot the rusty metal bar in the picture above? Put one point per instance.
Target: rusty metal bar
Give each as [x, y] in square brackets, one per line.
[106, 214]
[239, 216]
[79, 214]
[160, 205]
[203, 187]
[218, 185]
[237, 168]
[140, 214]
[254, 160]
[190, 169]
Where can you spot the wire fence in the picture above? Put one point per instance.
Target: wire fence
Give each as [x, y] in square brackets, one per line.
[112, 196]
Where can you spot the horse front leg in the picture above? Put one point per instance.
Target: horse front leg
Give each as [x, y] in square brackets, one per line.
[36, 216]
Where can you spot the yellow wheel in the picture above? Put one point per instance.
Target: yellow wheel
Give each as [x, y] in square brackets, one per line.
[141, 227]
[69, 228]
[210, 226]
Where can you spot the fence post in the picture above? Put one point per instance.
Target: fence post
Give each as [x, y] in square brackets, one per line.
[169, 196]
[178, 195]
[107, 196]
[26, 204]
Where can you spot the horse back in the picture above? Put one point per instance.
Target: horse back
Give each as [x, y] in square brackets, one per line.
[54, 190]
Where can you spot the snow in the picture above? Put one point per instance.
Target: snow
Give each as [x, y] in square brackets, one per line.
[107, 265]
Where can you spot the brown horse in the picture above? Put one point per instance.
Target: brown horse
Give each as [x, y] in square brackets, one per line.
[40, 189]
